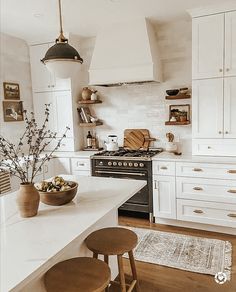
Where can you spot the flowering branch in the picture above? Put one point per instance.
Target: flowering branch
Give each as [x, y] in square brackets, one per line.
[35, 141]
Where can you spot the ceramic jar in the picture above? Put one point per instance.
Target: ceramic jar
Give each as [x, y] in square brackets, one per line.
[27, 200]
[86, 93]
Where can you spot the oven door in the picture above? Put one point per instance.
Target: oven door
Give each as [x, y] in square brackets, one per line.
[141, 198]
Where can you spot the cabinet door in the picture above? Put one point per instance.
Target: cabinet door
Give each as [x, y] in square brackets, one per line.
[230, 107]
[49, 169]
[62, 166]
[230, 44]
[63, 112]
[208, 46]
[39, 100]
[207, 112]
[41, 77]
[164, 197]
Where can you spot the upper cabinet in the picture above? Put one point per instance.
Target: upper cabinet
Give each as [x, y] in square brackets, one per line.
[42, 79]
[214, 46]
[230, 43]
[208, 46]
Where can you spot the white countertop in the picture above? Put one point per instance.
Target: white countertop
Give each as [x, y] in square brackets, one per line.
[76, 154]
[27, 244]
[166, 156]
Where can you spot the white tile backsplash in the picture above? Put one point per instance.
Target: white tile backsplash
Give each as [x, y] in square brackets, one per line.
[144, 106]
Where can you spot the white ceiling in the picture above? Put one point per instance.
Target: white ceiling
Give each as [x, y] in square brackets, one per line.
[84, 17]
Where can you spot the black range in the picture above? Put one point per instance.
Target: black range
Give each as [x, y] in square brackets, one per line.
[129, 164]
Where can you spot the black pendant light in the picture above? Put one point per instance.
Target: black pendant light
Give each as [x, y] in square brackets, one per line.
[62, 59]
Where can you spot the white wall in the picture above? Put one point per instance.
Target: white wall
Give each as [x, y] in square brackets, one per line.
[144, 106]
[14, 67]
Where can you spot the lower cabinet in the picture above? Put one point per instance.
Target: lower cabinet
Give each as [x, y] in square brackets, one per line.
[206, 212]
[62, 166]
[164, 198]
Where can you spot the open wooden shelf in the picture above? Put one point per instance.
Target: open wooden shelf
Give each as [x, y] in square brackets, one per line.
[179, 96]
[89, 101]
[177, 123]
[91, 124]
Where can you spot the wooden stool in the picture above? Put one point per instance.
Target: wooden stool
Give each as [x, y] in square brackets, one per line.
[115, 241]
[78, 275]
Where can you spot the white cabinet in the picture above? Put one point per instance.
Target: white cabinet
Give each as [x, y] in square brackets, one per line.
[164, 199]
[42, 79]
[230, 107]
[62, 166]
[207, 108]
[61, 115]
[81, 166]
[230, 43]
[208, 46]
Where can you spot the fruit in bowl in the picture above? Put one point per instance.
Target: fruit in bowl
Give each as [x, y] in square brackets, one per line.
[57, 191]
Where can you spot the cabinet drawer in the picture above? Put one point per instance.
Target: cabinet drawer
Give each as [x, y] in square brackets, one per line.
[163, 168]
[206, 170]
[223, 191]
[80, 164]
[207, 212]
[81, 172]
[214, 147]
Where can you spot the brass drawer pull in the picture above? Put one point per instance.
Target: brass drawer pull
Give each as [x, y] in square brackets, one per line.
[232, 191]
[232, 215]
[232, 171]
[197, 169]
[198, 189]
[198, 211]
[164, 167]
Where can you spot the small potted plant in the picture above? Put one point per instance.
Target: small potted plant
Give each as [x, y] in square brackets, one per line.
[26, 159]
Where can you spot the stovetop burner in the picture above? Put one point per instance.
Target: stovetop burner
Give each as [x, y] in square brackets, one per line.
[126, 153]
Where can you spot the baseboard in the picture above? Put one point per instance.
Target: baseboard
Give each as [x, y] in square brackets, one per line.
[207, 227]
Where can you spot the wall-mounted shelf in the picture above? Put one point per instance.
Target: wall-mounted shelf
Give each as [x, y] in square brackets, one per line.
[169, 123]
[89, 101]
[91, 124]
[179, 96]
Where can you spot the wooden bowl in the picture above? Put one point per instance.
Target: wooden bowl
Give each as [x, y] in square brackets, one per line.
[59, 198]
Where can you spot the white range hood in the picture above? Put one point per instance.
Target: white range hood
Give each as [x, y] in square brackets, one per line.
[125, 53]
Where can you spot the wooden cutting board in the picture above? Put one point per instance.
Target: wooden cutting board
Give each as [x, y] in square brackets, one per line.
[135, 139]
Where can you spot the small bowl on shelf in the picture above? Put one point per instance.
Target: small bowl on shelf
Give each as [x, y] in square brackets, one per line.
[172, 92]
[59, 198]
[183, 90]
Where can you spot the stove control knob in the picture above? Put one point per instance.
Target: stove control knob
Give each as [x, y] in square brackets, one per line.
[114, 163]
[130, 164]
[120, 163]
[109, 163]
[135, 164]
[141, 164]
[124, 163]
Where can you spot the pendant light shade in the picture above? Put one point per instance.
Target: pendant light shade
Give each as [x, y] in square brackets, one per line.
[62, 59]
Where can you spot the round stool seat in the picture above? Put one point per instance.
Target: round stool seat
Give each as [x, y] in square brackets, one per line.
[78, 275]
[111, 241]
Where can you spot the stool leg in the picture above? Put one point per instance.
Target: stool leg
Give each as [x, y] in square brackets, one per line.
[107, 262]
[95, 255]
[121, 273]
[133, 268]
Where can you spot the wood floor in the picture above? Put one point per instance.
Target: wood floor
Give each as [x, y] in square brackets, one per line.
[155, 278]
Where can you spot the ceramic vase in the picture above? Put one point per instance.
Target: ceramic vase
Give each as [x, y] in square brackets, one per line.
[27, 200]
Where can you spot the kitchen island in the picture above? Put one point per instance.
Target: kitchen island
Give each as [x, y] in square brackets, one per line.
[30, 246]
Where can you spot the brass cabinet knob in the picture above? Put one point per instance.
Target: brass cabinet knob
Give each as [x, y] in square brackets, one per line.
[220, 132]
[232, 191]
[198, 189]
[226, 132]
[221, 70]
[232, 215]
[197, 169]
[227, 69]
[164, 167]
[232, 171]
[198, 211]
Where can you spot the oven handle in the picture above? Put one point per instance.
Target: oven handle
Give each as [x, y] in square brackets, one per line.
[119, 172]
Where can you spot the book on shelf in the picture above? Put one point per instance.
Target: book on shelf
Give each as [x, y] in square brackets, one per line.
[84, 114]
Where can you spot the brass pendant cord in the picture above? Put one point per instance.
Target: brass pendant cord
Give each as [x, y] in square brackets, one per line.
[61, 37]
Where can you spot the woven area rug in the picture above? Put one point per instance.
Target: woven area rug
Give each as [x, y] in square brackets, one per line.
[190, 253]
